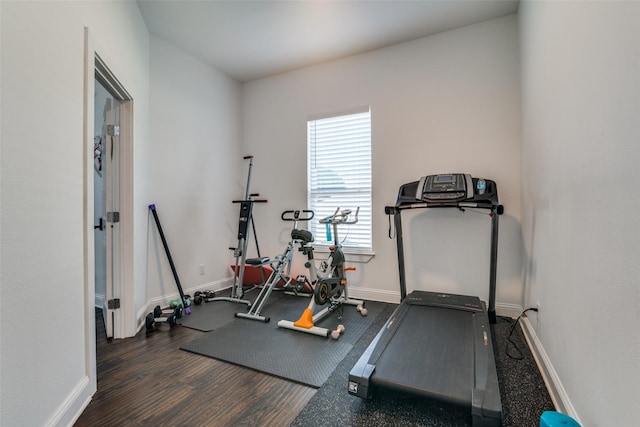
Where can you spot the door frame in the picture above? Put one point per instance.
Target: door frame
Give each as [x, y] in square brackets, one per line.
[100, 206]
[98, 65]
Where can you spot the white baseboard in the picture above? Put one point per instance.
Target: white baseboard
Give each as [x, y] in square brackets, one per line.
[549, 375]
[508, 310]
[73, 406]
[369, 294]
[164, 300]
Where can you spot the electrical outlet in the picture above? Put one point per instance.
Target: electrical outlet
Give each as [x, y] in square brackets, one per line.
[201, 269]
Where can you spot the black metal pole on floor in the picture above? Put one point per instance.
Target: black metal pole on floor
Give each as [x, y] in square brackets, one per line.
[187, 309]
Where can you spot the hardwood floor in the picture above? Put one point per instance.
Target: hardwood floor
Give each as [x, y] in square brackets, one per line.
[149, 381]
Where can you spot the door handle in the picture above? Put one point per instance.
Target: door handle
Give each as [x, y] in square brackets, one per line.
[100, 225]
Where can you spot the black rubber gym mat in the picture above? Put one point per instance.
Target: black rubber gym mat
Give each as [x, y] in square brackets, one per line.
[208, 316]
[296, 356]
[211, 315]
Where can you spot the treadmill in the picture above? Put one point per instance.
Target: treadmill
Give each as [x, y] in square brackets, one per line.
[439, 345]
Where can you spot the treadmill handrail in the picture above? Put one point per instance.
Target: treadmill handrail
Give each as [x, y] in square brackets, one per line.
[401, 206]
[488, 201]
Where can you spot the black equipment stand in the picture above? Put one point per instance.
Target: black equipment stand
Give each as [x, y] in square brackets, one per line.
[185, 303]
[245, 225]
[438, 345]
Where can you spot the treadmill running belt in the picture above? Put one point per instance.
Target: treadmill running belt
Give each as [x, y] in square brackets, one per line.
[431, 338]
[437, 346]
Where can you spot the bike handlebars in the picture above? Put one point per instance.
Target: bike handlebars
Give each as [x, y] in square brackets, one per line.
[308, 215]
[341, 217]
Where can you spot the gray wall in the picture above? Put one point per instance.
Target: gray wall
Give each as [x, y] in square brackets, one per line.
[47, 303]
[445, 103]
[450, 102]
[580, 199]
[194, 174]
[186, 136]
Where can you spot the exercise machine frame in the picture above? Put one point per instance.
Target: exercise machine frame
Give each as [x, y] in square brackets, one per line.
[281, 265]
[245, 226]
[409, 199]
[331, 289]
[409, 357]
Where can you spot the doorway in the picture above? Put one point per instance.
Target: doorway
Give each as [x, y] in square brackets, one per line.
[106, 204]
[112, 156]
[108, 215]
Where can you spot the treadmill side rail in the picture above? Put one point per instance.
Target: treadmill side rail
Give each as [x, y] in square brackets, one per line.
[486, 405]
[484, 416]
[359, 378]
[360, 375]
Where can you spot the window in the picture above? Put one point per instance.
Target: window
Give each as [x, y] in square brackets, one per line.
[339, 175]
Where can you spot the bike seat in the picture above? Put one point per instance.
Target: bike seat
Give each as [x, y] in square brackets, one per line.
[302, 235]
[257, 261]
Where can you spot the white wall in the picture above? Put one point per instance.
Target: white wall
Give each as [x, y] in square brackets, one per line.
[194, 172]
[445, 103]
[448, 102]
[44, 357]
[580, 174]
[186, 160]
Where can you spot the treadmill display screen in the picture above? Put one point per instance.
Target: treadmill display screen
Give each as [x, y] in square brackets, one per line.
[445, 188]
[444, 178]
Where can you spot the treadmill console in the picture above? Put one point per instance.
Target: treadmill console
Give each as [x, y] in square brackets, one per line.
[451, 190]
[445, 187]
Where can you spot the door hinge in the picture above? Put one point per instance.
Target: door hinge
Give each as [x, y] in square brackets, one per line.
[113, 304]
[113, 216]
[113, 130]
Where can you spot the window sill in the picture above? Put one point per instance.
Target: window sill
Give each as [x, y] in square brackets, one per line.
[351, 255]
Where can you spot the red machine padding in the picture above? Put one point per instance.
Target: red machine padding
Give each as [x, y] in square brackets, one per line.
[252, 275]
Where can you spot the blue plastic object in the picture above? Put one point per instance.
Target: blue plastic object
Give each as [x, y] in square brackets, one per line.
[557, 419]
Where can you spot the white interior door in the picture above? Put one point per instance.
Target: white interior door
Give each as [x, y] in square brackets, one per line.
[108, 276]
[113, 201]
[112, 235]
[100, 199]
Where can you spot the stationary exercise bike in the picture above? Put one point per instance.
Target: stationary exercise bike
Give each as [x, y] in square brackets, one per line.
[329, 282]
[281, 265]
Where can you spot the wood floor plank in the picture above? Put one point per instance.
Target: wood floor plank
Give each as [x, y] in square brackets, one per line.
[148, 380]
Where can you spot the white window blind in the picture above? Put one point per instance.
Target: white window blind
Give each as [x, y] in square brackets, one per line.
[339, 175]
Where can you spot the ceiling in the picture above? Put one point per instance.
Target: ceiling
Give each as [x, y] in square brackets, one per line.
[248, 40]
